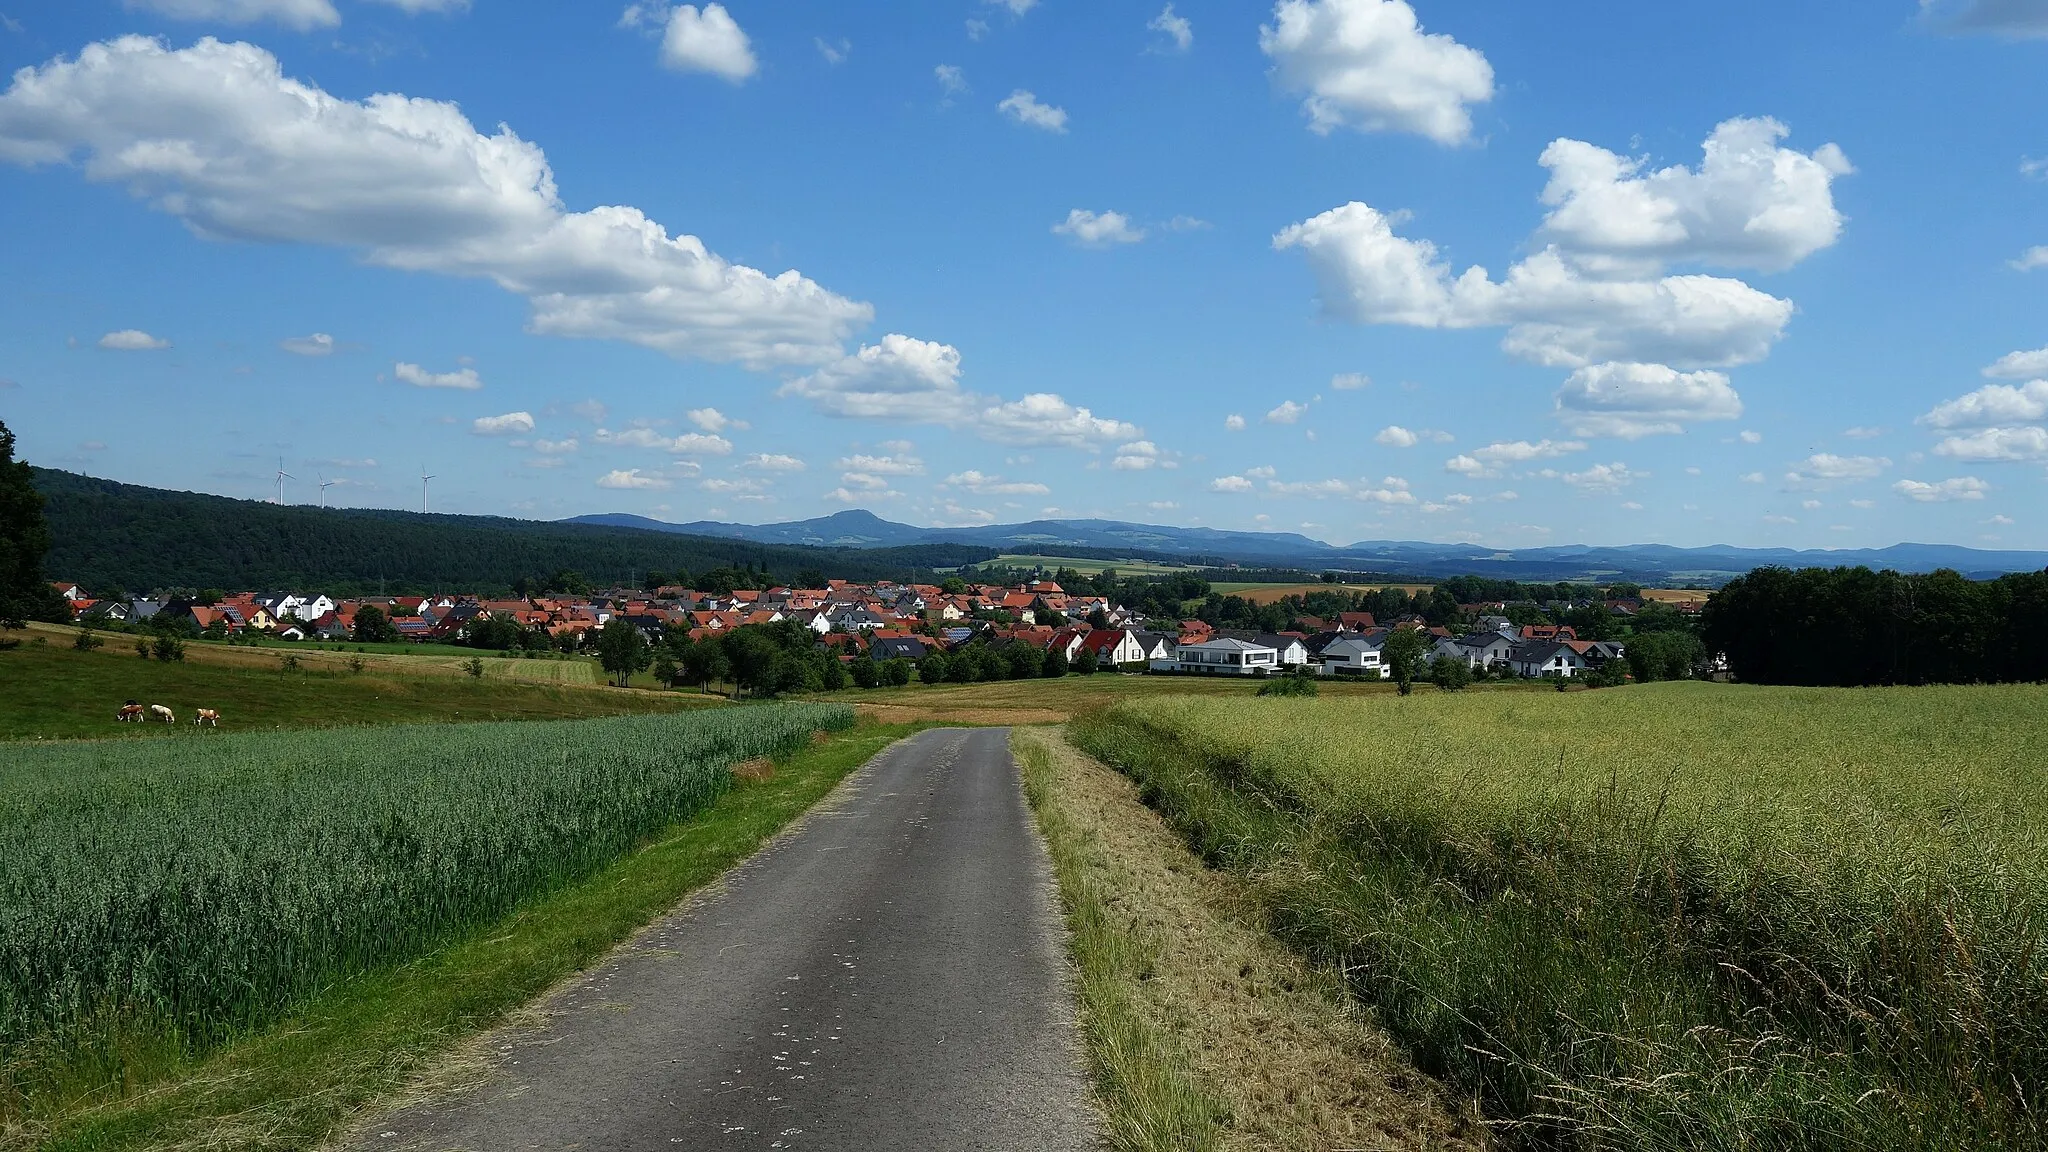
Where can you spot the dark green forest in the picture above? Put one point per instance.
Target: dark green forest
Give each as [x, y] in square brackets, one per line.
[112, 538]
[1852, 627]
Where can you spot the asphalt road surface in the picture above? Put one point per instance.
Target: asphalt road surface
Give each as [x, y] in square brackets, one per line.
[887, 975]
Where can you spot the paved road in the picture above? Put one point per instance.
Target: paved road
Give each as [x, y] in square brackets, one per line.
[889, 975]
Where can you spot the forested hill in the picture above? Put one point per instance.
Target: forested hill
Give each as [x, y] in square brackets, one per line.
[111, 537]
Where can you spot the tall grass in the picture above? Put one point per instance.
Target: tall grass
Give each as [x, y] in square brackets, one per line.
[177, 892]
[1673, 916]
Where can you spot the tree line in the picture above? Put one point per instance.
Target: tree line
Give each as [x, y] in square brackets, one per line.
[118, 538]
[1854, 627]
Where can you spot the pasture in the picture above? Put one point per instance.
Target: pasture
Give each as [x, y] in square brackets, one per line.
[48, 691]
[1272, 593]
[1668, 916]
[1086, 566]
[158, 899]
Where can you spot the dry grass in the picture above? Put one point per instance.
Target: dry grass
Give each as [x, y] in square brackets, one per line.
[1274, 1048]
[1269, 593]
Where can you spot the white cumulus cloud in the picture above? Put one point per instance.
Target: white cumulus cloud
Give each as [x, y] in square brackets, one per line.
[1828, 466]
[1178, 32]
[300, 15]
[1233, 423]
[217, 136]
[1230, 484]
[1367, 64]
[772, 462]
[2028, 443]
[632, 478]
[1099, 229]
[985, 485]
[1631, 401]
[132, 340]
[1603, 478]
[703, 39]
[712, 420]
[1025, 108]
[2029, 365]
[1350, 381]
[1944, 491]
[1395, 436]
[1140, 456]
[1992, 404]
[1287, 413]
[464, 379]
[509, 424]
[318, 344]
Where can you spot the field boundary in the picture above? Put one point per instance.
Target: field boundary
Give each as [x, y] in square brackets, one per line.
[1205, 1032]
[338, 1057]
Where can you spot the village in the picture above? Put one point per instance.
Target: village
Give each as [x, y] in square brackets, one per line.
[879, 622]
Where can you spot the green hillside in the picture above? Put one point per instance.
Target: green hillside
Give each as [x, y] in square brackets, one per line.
[112, 536]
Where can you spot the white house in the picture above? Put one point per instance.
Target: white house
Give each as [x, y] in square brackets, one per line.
[1226, 656]
[1293, 652]
[1479, 649]
[1353, 655]
[1118, 646]
[1547, 658]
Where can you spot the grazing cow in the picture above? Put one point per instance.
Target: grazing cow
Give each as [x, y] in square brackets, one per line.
[131, 711]
[208, 717]
[159, 712]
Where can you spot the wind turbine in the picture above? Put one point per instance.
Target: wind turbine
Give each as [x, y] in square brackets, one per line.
[282, 476]
[423, 489]
[325, 484]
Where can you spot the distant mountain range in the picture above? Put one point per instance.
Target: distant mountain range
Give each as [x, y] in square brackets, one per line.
[859, 528]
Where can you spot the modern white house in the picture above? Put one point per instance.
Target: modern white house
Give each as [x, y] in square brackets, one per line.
[1547, 658]
[1226, 657]
[1479, 649]
[1355, 655]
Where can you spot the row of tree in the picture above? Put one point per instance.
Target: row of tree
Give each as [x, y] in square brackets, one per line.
[1853, 626]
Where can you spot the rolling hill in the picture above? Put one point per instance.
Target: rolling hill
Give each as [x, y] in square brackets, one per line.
[1114, 538]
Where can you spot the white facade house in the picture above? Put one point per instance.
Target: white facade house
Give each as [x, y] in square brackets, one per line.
[1547, 658]
[1353, 656]
[1226, 657]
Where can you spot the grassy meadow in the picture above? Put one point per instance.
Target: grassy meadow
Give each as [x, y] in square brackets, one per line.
[50, 692]
[1669, 916]
[160, 898]
[1273, 593]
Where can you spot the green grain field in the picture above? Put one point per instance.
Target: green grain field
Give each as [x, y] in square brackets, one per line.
[160, 897]
[1670, 916]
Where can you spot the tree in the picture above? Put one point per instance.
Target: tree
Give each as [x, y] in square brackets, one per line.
[896, 673]
[666, 670]
[24, 539]
[933, 668]
[811, 578]
[1403, 653]
[831, 673]
[865, 674]
[474, 666]
[373, 626]
[1021, 661]
[1055, 664]
[169, 649]
[621, 650]
[1084, 661]
[756, 660]
[1450, 673]
[1098, 619]
[85, 641]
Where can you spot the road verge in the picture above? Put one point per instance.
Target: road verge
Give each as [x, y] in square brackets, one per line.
[1204, 1032]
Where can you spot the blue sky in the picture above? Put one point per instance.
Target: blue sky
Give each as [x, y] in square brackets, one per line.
[1751, 273]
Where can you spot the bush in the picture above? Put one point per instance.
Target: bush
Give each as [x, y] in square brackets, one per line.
[1300, 682]
[864, 673]
[896, 673]
[474, 666]
[1084, 662]
[168, 649]
[85, 641]
[1450, 673]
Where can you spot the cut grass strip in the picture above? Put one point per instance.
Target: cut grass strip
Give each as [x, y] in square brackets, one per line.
[1203, 1031]
[293, 1085]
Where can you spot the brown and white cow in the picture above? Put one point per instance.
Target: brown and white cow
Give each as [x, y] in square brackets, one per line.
[159, 712]
[131, 711]
[208, 717]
